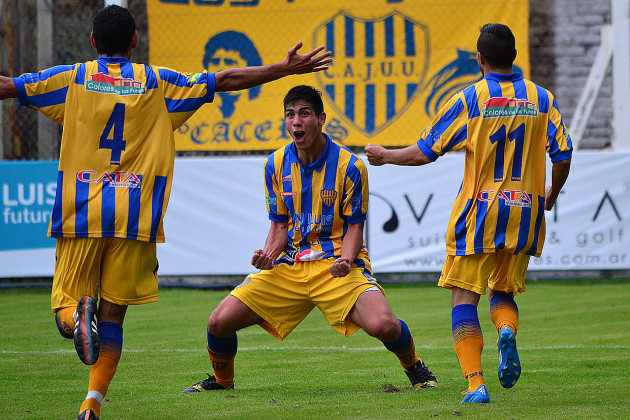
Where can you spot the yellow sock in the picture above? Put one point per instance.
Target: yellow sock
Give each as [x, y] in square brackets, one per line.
[468, 343]
[103, 371]
[65, 322]
[504, 312]
[223, 368]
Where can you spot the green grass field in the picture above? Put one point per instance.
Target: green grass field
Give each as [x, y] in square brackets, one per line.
[574, 344]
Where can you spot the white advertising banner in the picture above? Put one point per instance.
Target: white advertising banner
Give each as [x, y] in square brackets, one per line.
[217, 217]
[588, 229]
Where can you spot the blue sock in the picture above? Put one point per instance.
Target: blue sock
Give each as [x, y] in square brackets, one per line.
[110, 334]
[403, 341]
[223, 345]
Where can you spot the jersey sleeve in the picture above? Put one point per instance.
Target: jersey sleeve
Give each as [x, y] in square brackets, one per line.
[447, 131]
[275, 205]
[355, 197]
[46, 91]
[559, 145]
[185, 93]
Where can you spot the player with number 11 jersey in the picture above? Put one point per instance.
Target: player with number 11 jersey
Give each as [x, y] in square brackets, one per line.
[508, 120]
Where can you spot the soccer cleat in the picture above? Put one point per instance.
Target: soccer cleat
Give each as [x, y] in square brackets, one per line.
[208, 384]
[480, 396]
[86, 340]
[509, 363]
[420, 376]
[87, 415]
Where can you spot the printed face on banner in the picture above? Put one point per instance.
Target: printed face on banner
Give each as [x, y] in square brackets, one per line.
[395, 63]
[226, 50]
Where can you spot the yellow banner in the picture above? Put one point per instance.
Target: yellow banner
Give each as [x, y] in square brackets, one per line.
[395, 62]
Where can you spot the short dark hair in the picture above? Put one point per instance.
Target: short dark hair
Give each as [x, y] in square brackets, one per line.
[234, 41]
[307, 94]
[113, 30]
[497, 44]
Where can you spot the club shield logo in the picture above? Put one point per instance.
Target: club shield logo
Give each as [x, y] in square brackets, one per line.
[328, 197]
[378, 67]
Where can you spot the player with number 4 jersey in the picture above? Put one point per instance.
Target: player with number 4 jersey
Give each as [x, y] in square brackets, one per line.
[507, 125]
[115, 168]
[114, 179]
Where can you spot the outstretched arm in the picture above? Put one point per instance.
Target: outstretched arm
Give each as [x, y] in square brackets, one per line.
[248, 77]
[409, 156]
[277, 239]
[7, 88]
[559, 175]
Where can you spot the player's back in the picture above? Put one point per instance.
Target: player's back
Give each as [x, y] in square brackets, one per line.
[511, 124]
[117, 149]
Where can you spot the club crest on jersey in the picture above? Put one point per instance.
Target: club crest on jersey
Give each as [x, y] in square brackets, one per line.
[113, 179]
[379, 68]
[102, 83]
[508, 107]
[328, 197]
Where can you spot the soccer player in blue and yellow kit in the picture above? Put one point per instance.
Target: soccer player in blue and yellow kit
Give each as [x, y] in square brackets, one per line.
[506, 124]
[314, 255]
[114, 178]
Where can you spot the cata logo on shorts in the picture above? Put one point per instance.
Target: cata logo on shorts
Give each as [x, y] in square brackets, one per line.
[245, 282]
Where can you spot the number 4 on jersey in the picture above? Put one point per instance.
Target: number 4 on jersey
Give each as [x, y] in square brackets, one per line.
[116, 123]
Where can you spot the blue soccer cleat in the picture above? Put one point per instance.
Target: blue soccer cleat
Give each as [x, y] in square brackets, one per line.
[480, 396]
[86, 340]
[509, 363]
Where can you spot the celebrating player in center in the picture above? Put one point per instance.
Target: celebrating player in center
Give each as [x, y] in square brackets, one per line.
[317, 199]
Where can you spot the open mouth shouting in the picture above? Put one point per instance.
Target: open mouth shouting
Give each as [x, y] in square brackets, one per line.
[299, 135]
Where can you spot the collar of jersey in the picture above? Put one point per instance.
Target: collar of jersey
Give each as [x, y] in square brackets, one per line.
[319, 163]
[120, 60]
[513, 77]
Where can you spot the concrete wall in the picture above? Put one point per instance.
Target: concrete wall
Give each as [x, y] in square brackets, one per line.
[564, 38]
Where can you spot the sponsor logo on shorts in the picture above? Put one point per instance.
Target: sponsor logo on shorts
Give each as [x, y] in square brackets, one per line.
[368, 275]
[245, 282]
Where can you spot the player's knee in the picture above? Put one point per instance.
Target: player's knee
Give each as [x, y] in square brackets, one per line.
[66, 331]
[385, 328]
[217, 324]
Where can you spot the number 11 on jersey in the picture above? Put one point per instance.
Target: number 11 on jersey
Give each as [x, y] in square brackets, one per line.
[500, 137]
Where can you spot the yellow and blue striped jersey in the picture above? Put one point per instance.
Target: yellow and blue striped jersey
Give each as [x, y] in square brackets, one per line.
[506, 124]
[117, 148]
[318, 201]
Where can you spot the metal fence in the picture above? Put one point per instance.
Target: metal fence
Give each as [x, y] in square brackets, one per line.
[37, 34]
